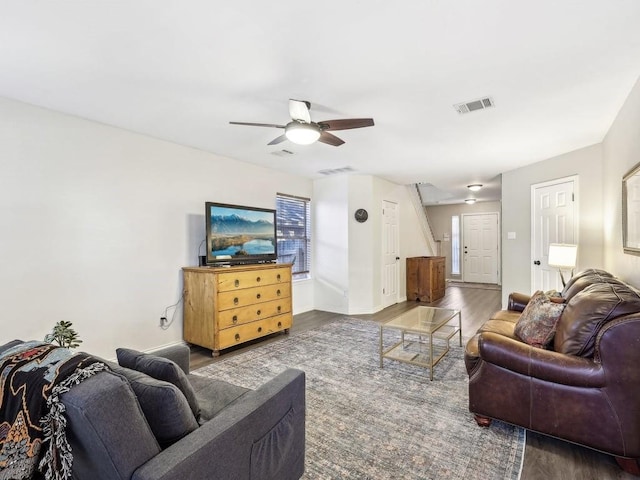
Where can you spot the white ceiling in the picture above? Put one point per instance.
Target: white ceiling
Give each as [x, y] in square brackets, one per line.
[558, 72]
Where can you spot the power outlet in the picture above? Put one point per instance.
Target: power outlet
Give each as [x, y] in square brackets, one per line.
[163, 321]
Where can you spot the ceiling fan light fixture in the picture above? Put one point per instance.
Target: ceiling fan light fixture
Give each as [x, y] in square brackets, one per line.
[302, 133]
[474, 187]
[470, 201]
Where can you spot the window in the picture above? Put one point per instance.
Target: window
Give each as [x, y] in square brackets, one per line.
[455, 245]
[293, 219]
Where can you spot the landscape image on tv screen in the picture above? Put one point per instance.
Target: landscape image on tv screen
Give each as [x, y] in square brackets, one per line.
[241, 232]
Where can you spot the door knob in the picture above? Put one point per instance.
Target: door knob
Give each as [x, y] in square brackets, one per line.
[536, 262]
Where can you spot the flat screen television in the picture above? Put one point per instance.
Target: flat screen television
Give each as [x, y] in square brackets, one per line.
[240, 235]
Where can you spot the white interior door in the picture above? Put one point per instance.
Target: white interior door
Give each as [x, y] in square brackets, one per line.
[390, 254]
[480, 244]
[554, 220]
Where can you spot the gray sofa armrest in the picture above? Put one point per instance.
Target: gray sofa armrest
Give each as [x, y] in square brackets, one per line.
[261, 436]
[178, 354]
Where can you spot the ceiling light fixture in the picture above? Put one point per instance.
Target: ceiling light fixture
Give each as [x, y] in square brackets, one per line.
[302, 133]
[474, 187]
[470, 201]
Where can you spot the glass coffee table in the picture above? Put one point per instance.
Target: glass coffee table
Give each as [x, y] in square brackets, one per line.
[424, 336]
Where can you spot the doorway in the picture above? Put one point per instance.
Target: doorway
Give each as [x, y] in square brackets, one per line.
[390, 254]
[480, 245]
[553, 220]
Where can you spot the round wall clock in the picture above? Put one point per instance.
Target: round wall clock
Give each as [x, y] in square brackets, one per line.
[361, 215]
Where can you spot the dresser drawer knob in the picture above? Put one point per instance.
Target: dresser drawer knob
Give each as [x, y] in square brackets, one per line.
[237, 337]
[259, 329]
[279, 324]
[236, 283]
[235, 319]
[258, 279]
[258, 296]
[278, 292]
[235, 300]
[258, 312]
[278, 277]
[279, 308]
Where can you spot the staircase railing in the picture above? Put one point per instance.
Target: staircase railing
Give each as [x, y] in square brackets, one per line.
[423, 219]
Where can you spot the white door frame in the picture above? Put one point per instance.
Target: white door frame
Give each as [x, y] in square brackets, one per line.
[576, 215]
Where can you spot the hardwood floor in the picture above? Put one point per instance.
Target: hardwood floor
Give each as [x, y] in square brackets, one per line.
[545, 458]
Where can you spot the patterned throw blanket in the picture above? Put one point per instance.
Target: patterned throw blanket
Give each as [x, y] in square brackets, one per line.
[33, 375]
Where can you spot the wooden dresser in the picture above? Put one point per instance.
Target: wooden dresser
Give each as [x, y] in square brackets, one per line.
[224, 307]
[425, 278]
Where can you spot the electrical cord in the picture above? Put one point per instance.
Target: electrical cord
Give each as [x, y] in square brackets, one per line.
[167, 323]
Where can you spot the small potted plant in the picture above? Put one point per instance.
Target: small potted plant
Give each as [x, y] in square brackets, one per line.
[63, 335]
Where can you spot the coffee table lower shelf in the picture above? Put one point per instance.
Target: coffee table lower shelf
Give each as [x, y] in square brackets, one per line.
[424, 349]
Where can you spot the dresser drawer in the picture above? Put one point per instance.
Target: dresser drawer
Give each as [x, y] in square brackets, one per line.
[242, 333]
[239, 316]
[250, 296]
[248, 279]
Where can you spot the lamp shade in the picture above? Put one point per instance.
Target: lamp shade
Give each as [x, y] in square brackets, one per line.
[302, 133]
[562, 255]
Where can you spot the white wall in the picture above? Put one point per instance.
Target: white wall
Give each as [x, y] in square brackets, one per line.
[587, 163]
[330, 236]
[348, 269]
[363, 237]
[412, 240]
[621, 151]
[97, 223]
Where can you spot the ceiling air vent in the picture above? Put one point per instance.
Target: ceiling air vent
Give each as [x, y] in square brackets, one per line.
[335, 171]
[282, 153]
[474, 105]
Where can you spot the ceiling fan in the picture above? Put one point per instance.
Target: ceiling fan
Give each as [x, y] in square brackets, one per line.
[303, 131]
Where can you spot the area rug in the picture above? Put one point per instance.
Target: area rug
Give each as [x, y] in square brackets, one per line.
[364, 422]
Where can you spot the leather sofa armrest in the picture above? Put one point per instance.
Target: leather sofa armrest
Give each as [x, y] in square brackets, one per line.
[517, 301]
[538, 363]
[261, 434]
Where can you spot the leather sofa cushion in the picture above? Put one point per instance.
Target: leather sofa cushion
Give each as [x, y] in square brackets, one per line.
[581, 280]
[502, 322]
[588, 310]
[506, 316]
[503, 327]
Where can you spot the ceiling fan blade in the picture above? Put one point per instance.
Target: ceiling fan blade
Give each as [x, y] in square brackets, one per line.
[330, 139]
[257, 124]
[299, 110]
[346, 123]
[277, 140]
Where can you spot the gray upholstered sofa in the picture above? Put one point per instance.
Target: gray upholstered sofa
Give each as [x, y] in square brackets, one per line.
[119, 429]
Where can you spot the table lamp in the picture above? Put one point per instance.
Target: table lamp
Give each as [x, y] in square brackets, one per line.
[562, 256]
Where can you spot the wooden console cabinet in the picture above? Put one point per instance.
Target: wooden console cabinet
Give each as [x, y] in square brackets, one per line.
[425, 278]
[224, 307]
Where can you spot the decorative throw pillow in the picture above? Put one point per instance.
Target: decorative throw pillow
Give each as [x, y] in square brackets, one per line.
[160, 369]
[164, 406]
[537, 324]
[554, 296]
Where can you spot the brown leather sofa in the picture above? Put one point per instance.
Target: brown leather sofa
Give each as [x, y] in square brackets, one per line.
[584, 387]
